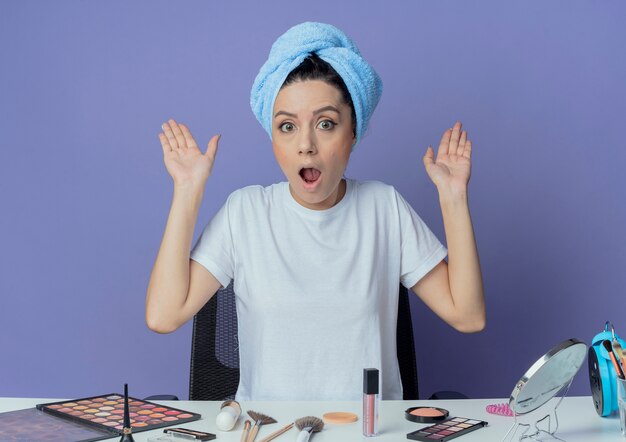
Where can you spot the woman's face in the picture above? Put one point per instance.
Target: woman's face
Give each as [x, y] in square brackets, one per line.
[312, 139]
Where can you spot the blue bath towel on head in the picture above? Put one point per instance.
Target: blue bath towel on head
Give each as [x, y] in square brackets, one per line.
[332, 46]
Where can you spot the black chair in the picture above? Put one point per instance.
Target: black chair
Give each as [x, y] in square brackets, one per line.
[214, 374]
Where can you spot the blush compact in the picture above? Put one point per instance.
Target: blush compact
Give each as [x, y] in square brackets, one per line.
[426, 415]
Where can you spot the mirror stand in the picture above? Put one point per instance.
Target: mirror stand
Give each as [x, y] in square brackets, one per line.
[539, 434]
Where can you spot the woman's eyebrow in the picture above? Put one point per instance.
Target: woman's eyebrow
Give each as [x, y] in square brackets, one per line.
[315, 112]
[284, 113]
[326, 108]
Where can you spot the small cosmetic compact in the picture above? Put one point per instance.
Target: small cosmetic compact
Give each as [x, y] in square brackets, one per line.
[426, 415]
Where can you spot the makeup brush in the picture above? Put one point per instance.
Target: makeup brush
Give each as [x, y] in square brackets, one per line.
[619, 353]
[617, 348]
[127, 435]
[308, 425]
[246, 429]
[259, 419]
[618, 367]
[275, 434]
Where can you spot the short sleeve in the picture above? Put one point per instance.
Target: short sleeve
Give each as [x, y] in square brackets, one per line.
[214, 248]
[421, 250]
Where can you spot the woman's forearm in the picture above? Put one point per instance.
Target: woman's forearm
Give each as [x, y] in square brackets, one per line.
[169, 282]
[466, 285]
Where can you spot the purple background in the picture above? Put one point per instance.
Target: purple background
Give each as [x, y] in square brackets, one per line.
[85, 86]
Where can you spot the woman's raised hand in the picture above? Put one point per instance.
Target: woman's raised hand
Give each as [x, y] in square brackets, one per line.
[451, 169]
[183, 159]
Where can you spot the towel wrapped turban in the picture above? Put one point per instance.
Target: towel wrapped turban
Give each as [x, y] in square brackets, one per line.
[332, 46]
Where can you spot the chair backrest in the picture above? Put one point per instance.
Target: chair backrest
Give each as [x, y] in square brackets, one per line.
[214, 373]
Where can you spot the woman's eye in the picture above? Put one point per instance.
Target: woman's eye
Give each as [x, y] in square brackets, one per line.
[286, 127]
[326, 124]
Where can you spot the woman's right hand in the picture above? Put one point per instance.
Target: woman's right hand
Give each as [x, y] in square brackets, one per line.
[184, 161]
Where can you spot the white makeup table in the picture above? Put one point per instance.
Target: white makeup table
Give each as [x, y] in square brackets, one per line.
[578, 421]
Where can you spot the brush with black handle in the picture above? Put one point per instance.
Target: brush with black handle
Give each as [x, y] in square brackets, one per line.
[127, 432]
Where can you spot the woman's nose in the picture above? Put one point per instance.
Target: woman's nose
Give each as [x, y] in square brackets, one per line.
[307, 142]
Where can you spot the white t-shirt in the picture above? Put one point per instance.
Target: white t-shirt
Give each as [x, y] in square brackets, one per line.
[317, 290]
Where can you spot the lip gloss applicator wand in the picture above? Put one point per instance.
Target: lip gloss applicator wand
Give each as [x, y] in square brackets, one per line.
[127, 435]
[370, 402]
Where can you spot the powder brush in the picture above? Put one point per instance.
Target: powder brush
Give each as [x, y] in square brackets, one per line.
[259, 419]
[308, 425]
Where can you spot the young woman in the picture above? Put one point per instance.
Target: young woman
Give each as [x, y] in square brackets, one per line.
[316, 260]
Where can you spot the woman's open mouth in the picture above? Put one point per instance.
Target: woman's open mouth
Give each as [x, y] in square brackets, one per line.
[309, 175]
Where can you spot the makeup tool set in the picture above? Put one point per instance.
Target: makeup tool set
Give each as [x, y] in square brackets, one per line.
[446, 429]
[606, 364]
[552, 374]
[306, 426]
[443, 427]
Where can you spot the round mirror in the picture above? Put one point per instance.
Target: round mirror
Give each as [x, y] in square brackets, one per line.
[548, 376]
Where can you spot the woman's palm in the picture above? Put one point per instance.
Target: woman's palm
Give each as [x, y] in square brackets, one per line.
[183, 159]
[452, 167]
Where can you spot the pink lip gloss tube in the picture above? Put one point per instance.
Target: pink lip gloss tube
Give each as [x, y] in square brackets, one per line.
[370, 402]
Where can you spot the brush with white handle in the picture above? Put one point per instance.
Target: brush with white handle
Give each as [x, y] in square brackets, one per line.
[308, 425]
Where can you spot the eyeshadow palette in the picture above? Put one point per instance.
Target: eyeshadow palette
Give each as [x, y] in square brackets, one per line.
[446, 430]
[33, 425]
[106, 412]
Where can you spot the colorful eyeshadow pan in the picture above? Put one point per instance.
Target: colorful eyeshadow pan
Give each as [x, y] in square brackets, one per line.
[106, 413]
[447, 430]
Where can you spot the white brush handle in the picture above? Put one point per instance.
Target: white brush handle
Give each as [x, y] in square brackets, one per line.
[303, 436]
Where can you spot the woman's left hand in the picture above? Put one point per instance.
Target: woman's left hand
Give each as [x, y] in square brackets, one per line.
[450, 171]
